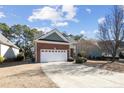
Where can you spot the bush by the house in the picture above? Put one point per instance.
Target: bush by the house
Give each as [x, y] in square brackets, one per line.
[20, 57]
[89, 57]
[121, 55]
[81, 54]
[98, 58]
[70, 59]
[2, 59]
[80, 58]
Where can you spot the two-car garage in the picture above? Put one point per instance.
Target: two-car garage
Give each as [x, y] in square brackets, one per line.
[51, 52]
[53, 46]
[53, 55]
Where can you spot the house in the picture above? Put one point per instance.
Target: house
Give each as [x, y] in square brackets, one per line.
[96, 48]
[89, 48]
[105, 50]
[54, 46]
[7, 48]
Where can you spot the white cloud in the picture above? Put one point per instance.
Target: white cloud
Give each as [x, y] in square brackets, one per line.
[101, 20]
[2, 15]
[44, 29]
[45, 13]
[57, 15]
[88, 10]
[82, 32]
[96, 31]
[55, 6]
[89, 34]
[60, 24]
[70, 11]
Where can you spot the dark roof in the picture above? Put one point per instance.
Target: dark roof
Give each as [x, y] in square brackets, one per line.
[53, 40]
[56, 38]
[5, 41]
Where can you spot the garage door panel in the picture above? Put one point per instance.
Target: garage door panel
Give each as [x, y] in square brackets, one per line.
[53, 55]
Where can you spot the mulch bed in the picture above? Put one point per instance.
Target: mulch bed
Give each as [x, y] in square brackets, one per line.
[115, 66]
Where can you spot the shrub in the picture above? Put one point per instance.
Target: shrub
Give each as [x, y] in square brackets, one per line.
[70, 59]
[98, 58]
[89, 57]
[80, 55]
[81, 60]
[20, 57]
[2, 59]
[93, 57]
[121, 55]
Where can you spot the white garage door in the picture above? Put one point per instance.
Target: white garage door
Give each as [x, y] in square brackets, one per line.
[51, 55]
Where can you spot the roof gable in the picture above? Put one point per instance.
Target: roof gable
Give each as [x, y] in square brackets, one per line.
[5, 41]
[54, 35]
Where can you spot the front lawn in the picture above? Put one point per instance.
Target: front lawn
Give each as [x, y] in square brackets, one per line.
[23, 75]
[116, 66]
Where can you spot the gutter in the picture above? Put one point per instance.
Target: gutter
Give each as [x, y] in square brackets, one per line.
[11, 45]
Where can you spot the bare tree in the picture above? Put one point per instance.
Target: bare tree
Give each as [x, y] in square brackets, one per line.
[88, 48]
[111, 31]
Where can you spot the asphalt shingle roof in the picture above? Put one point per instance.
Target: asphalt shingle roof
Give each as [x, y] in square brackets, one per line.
[5, 41]
[71, 40]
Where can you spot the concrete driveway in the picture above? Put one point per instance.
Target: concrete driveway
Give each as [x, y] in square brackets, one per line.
[70, 75]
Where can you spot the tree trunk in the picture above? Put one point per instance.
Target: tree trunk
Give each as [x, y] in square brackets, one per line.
[113, 58]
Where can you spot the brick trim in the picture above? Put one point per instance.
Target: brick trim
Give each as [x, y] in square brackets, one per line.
[49, 46]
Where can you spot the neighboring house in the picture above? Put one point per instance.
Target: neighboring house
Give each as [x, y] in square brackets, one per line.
[54, 46]
[106, 52]
[90, 48]
[94, 48]
[7, 48]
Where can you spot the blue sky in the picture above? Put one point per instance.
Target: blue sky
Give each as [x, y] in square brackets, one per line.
[71, 19]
